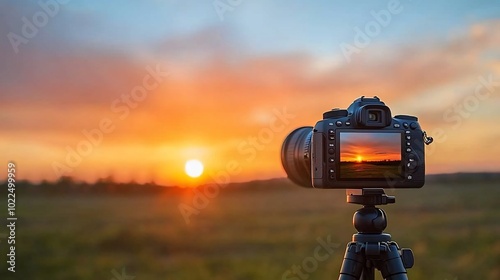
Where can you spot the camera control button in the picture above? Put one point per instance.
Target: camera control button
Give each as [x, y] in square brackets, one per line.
[408, 144]
[332, 173]
[408, 137]
[408, 150]
[331, 137]
[397, 125]
[338, 123]
[405, 125]
[347, 123]
[409, 177]
[413, 125]
[331, 131]
[407, 131]
[331, 151]
[412, 165]
[332, 160]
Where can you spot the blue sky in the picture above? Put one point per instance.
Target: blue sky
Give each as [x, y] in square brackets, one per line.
[258, 27]
[316, 27]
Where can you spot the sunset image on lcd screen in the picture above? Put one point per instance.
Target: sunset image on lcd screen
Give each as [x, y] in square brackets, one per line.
[369, 155]
[193, 168]
[359, 159]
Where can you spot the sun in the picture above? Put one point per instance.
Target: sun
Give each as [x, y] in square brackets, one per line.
[359, 159]
[193, 168]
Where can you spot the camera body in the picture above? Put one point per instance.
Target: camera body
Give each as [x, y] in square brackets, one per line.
[361, 147]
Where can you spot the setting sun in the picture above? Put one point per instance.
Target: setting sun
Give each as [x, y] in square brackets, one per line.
[359, 159]
[193, 168]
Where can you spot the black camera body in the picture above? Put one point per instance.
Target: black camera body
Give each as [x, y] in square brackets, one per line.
[361, 147]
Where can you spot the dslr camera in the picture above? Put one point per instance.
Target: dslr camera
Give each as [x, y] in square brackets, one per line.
[361, 147]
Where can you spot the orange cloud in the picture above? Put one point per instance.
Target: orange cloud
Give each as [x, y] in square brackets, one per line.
[214, 103]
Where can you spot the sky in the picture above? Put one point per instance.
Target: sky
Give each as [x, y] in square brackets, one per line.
[356, 146]
[133, 89]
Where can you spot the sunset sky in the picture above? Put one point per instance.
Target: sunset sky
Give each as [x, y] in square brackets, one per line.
[370, 146]
[134, 89]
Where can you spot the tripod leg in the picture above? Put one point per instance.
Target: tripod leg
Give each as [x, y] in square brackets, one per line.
[353, 263]
[392, 267]
[368, 273]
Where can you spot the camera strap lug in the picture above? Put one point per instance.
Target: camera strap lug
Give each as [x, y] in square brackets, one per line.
[427, 139]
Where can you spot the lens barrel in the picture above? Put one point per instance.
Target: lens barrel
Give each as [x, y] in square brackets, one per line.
[296, 156]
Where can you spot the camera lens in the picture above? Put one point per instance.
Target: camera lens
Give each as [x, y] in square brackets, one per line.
[296, 156]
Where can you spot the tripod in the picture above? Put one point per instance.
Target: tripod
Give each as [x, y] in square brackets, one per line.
[370, 247]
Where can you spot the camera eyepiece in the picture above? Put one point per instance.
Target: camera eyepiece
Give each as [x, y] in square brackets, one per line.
[370, 113]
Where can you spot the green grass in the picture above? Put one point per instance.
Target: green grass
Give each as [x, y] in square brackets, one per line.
[247, 234]
[369, 170]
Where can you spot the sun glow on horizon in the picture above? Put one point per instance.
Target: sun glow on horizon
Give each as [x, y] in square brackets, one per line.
[193, 168]
[359, 158]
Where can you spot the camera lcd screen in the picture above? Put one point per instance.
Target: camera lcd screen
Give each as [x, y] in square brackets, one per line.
[369, 155]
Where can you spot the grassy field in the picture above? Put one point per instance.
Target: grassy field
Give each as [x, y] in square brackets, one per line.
[247, 233]
[360, 170]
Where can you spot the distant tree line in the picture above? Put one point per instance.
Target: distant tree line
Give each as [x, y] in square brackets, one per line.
[107, 185]
[67, 184]
[375, 162]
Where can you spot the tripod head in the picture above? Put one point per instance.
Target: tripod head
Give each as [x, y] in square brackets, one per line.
[369, 219]
[369, 197]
